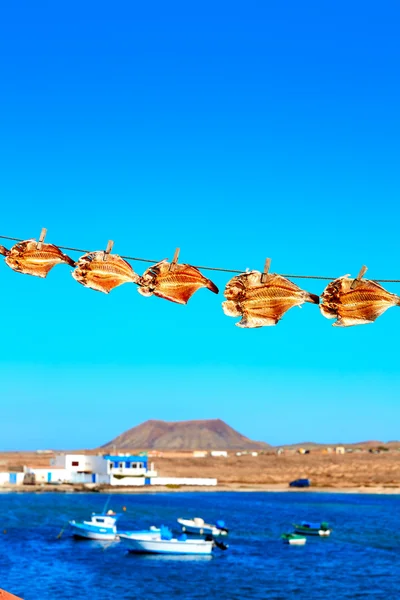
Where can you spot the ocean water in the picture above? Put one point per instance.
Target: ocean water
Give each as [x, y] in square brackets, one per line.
[361, 559]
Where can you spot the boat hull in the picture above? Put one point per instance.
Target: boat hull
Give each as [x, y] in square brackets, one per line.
[296, 542]
[294, 539]
[313, 532]
[159, 546]
[89, 533]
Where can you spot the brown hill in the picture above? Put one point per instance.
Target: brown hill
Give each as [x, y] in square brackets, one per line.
[212, 434]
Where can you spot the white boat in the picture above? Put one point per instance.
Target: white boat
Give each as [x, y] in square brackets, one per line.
[199, 527]
[293, 539]
[100, 527]
[157, 545]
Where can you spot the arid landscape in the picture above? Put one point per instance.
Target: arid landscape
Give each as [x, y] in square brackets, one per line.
[265, 471]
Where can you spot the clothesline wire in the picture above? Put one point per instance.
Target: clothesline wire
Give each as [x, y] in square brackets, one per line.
[235, 271]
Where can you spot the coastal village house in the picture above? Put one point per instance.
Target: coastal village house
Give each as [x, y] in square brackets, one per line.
[119, 469]
[115, 470]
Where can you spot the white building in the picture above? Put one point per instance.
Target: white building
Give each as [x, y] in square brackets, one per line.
[49, 474]
[80, 463]
[222, 453]
[12, 478]
[81, 468]
[128, 469]
[119, 470]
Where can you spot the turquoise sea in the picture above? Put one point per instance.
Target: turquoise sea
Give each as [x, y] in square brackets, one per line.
[360, 560]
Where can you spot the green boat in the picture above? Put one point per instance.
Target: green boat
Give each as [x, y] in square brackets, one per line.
[320, 529]
[294, 539]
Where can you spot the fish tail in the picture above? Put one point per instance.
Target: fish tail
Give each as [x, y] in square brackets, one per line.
[69, 261]
[212, 287]
[4, 251]
[313, 298]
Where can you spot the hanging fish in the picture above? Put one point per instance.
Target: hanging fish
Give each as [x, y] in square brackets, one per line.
[177, 284]
[25, 257]
[359, 306]
[262, 303]
[103, 272]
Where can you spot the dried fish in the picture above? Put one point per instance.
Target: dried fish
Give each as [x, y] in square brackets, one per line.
[358, 306]
[25, 257]
[262, 303]
[177, 284]
[103, 272]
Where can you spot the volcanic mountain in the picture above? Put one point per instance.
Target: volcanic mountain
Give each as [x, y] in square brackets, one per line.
[212, 434]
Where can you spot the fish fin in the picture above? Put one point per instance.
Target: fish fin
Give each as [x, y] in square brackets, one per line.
[254, 322]
[349, 322]
[327, 312]
[212, 287]
[248, 324]
[80, 278]
[182, 298]
[231, 309]
[178, 296]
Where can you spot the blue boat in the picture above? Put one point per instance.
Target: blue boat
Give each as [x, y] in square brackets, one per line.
[100, 527]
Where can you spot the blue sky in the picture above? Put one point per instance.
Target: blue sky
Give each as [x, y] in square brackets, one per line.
[235, 132]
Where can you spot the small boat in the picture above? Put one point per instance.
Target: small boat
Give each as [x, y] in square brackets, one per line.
[306, 528]
[294, 539]
[101, 527]
[164, 543]
[199, 527]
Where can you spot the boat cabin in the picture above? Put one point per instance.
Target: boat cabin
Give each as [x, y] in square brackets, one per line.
[101, 520]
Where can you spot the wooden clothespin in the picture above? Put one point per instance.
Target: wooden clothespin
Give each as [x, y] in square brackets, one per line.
[174, 260]
[41, 238]
[108, 249]
[357, 280]
[266, 269]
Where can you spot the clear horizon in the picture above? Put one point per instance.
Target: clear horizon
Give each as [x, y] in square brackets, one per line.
[234, 133]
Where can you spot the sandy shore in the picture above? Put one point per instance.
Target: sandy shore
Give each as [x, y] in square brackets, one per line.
[70, 489]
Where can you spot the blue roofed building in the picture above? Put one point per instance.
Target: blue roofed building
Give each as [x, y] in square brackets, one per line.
[129, 469]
